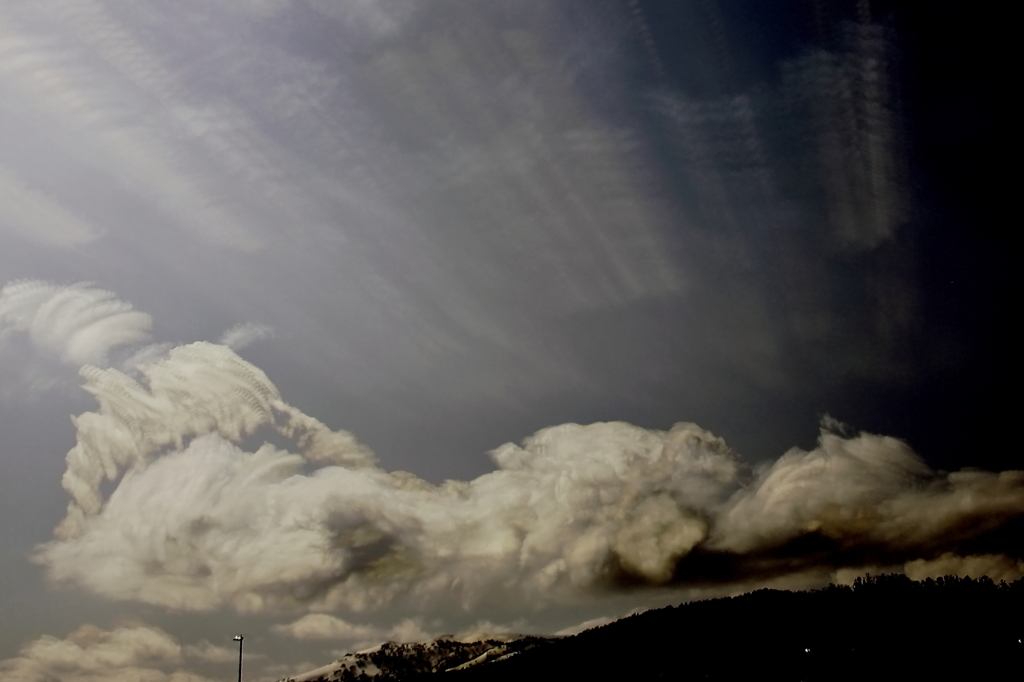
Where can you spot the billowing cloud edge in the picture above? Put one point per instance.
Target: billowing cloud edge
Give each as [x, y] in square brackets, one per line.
[575, 510]
[130, 653]
[194, 521]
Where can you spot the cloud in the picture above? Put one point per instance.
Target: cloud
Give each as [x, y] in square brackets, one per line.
[808, 491]
[242, 335]
[351, 636]
[57, 83]
[849, 103]
[575, 511]
[324, 626]
[852, 494]
[348, 637]
[995, 566]
[167, 508]
[80, 324]
[197, 389]
[77, 323]
[40, 217]
[585, 625]
[377, 19]
[46, 329]
[211, 523]
[408, 630]
[90, 654]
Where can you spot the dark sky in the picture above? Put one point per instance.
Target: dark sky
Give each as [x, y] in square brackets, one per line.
[671, 240]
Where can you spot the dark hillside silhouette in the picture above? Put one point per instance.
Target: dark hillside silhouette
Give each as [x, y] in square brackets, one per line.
[884, 627]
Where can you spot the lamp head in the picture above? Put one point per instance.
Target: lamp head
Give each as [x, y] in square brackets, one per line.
[238, 638]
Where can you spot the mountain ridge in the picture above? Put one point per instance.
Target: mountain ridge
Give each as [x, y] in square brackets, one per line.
[882, 627]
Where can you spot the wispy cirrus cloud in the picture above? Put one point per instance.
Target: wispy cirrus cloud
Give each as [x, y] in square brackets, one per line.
[48, 331]
[78, 323]
[37, 216]
[49, 77]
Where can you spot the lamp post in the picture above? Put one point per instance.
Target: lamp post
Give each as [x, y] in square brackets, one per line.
[239, 638]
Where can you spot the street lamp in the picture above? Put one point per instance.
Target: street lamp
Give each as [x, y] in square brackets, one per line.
[239, 638]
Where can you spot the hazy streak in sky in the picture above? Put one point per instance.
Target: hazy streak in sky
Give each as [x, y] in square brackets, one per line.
[444, 226]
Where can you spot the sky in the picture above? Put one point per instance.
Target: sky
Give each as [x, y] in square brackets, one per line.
[337, 321]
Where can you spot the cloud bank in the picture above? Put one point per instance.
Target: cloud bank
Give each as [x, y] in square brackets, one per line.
[195, 521]
[174, 503]
[134, 653]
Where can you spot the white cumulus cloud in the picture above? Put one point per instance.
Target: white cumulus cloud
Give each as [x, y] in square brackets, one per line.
[90, 654]
[242, 335]
[194, 521]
